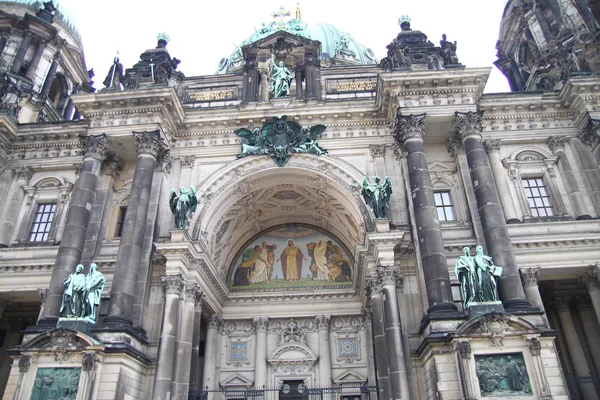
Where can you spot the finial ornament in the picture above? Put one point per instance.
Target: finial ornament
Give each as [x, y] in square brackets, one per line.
[404, 19]
[163, 36]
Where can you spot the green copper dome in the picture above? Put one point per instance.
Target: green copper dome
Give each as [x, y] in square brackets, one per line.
[334, 43]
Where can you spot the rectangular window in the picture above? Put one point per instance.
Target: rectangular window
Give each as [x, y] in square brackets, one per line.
[42, 222]
[537, 197]
[120, 221]
[443, 203]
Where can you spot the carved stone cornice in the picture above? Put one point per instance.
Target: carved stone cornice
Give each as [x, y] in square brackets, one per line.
[492, 145]
[562, 303]
[173, 284]
[557, 142]
[377, 150]
[23, 174]
[591, 134]
[409, 127]
[187, 161]
[213, 321]
[469, 123]
[149, 143]
[261, 324]
[323, 322]
[95, 146]
[529, 276]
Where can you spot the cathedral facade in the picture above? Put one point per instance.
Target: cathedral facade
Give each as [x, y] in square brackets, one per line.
[308, 222]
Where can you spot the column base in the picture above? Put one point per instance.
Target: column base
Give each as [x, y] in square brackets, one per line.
[513, 221]
[477, 309]
[520, 306]
[443, 310]
[584, 217]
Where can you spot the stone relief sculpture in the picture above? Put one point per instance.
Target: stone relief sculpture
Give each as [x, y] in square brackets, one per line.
[478, 277]
[56, 383]
[279, 139]
[82, 294]
[182, 205]
[377, 195]
[281, 78]
[501, 375]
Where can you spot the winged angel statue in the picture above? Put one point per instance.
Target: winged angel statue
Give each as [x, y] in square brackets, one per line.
[377, 195]
[183, 205]
[280, 138]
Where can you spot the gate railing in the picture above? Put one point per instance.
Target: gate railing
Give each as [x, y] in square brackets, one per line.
[358, 392]
[584, 387]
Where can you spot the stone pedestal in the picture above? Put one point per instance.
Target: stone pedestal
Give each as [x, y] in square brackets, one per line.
[381, 225]
[477, 309]
[76, 324]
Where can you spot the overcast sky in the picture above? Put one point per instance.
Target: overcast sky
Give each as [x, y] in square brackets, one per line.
[203, 32]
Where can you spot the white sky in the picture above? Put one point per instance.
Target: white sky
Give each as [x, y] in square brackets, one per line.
[203, 32]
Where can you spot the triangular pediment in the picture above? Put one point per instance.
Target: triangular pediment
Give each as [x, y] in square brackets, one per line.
[350, 376]
[236, 380]
[289, 39]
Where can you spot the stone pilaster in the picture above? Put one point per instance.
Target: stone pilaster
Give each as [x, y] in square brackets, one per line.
[557, 145]
[173, 286]
[510, 212]
[467, 373]
[535, 348]
[35, 61]
[96, 149]
[43, 294]
[408, 132]
[583, 305]
[382, 369]
[20, 56]
[194, 367]
[529, 278]
[366, 318]
[563, 307]
[183, 361]
[260, 370]
[323, 322]
[150, 148]
[16, 194]
[210, 352]
[299, 94]
[592, 283]
[50, 75]
[493, 220]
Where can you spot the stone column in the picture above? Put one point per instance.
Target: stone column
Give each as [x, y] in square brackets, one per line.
[35, 61]
[173, 286]
[196, 345]
[380, 347]
[529, 278]
[96, 150]
[510, 212]
[264, 86]
[18, 60]
[260, 369]
[557, 145]
[498, 242]
[562, 305]
[43, 293]
[50, 75]
[181, 378]
[409, 132]
[299, 95]
[390, 278]
[590, 137]
[366, 317]
[150, 148]
[591, 281]
[211, 352]
[590, 328]
[14, 201]
[535, 347]
[324, 350]
[68, 110]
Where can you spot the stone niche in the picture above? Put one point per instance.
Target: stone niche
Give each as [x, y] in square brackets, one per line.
[58, 364]
[502, 356]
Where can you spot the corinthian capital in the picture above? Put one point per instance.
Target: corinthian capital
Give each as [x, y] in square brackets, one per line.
[149, 143]
[194, 293]
[469, 123]
[591, 135]
[173, 283]
[390, 276]
[95, 146]
[409, 127]
[23, 174]
[530, 276]
[557, 142]
[260, 324]
[492, 145]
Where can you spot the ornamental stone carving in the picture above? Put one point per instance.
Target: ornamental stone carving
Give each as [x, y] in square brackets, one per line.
[95, 146]
[377, 150]
[173, 284]
[496, 325]
[323, 322]
[214, 321]
[187, 161]
[562, 304]
[529, 276]
[24, 363]
[194, 293]
[88, 361]
[492, 145]
[557, 143]
[464, 349]
[535, 346]
[43, 294]
[149, 143]
[23, 174]
[261, 324]
[590, 280]
[409, 127]
[469, 123]
[591, 135]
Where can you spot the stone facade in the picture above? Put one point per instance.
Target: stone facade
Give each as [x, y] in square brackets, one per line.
[515, 173]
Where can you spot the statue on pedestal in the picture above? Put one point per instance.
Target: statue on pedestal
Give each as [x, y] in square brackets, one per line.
[82, 294]
[281, 79]
[94, 282]
[377, 195]
[183, 205]
[478, 277]
[448, 51]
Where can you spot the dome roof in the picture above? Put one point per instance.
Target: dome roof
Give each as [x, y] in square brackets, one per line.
[333, 43]
[62, 15]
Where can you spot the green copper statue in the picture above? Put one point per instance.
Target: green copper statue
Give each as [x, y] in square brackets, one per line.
[82, 294]
[183, 205]
[281, 79]
[377, 195]
[478, 277]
